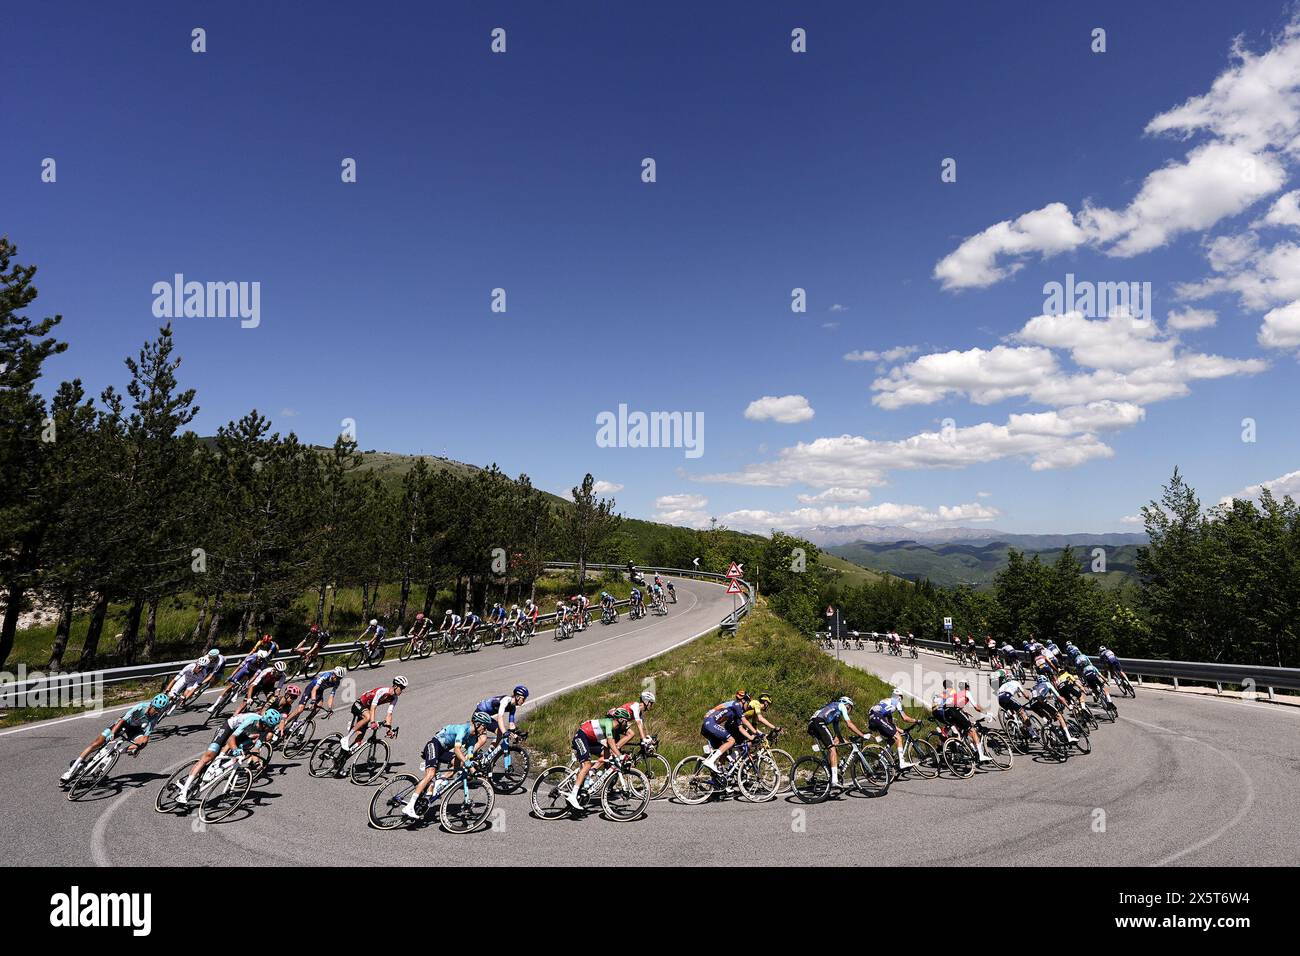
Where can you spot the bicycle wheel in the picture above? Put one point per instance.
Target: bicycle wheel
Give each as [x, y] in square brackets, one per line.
[959, 757]
[1054, 743]
[377, 655]
[759, 778]
[1081, 741]
[90, 777]
[369, 763]
[355, 660]
[386, 805]
[466, 805]
[925, 758]
[657, 770]
[625, 796]
[810, 781]
[693, 783]
[525, 636]
[784, 766]
[407, 652]
[224, 797]
[509, 771]
[324, 756]
[870, 772]
[165, 802]
[997, 746]
[298, 740]
[222, 703]
[549, 792]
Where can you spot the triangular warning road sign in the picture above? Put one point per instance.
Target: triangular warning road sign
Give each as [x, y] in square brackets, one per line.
[734, 588]
[734, 570]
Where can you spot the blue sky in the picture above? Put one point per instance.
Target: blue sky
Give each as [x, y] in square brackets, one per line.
[775, 170]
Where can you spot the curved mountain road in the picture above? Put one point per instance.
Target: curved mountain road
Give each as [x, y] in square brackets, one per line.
[1180, 779]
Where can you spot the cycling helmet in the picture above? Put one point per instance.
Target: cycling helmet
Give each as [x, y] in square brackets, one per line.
[742, 694]
[481, 719]
[214, 653]
[520, 691]
[647, 697]
[340, 671]
[1025, 645]
[314, 628]
[160, 701]
[1101, 649]
[279, 666]
[263, 655]
[765, 699]
[447, 613]
[293, 690]
[400, 681]
[420, 616]
[897, 692]
[373, 622]
[271, 716]
[847, 701]
[621, 713]
[514, 607]
[267, 639]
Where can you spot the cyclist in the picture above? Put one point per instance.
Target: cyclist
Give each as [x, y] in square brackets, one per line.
[285, 700]
[824, 727]
[1093, 679]
[1110, 663]
[723, 723]
[1069, 687]
[469, 625]
[952, 713]
[136, 725]
[636, 711]
[956, 644]
[420, 629]
[514, 618]
[191, 679]
[310, 645]
[497, 616]
[269, 680]
[970, 647]
[579, 604]
[1009, 692]
[1043, 662]
[1046, 702]
[267, 643]
[529, 616]
[911, 641]
[238, 731]
[880, 718]
[452, 746]
[502, 709]
[248, 665]
[755, 710]
[326, 682]
[593, 740]
[657, 590]
[636, 606]
[895, 641]
[561, 614]
[607, 605]
[365, 708]
[377, 632]
[672, 591]
[450, 623]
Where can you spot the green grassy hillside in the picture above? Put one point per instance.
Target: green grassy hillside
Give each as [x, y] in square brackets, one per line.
[949, 565]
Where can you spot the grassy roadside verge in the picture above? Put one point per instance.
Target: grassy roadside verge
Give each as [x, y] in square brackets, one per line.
[765, 655]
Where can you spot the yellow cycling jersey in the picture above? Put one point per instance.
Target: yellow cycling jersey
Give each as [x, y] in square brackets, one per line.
[753, 710]
[1068, 678]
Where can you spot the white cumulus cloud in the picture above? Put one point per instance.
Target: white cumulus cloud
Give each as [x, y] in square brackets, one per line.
[787, 409]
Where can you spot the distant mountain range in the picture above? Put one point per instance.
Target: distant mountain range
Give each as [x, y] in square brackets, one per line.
[825, 536]
[977, 563]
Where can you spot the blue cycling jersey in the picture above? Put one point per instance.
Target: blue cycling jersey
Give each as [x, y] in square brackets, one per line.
[493, 705]
[833, 712]
[454, 734]
[323, 681]
[138, 716]
[726, 713]
[888, 707]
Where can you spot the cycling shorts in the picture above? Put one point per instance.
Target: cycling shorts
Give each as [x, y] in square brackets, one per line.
[821, 732]
[584, 749]
[435, 753]
[882, 725]
[222, 735]
[715, 733]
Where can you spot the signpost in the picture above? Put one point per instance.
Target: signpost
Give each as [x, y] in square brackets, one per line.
[733, 585]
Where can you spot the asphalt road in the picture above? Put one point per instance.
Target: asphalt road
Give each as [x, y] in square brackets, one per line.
[1179, 779]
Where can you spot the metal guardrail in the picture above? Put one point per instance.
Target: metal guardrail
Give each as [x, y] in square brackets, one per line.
[1248, 676]
[79, 685]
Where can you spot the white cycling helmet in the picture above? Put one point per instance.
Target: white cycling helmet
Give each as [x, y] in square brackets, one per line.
[647, 697]
[400, 681]
[373, 622]
[279, 666]
[898, 692]
[263, 655]
[340, 671]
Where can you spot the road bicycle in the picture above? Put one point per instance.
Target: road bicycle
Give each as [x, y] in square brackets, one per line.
[622, 790]
[370, 654]
[1023, 728]
[298, 736]
[309, 666]
[1109, 711]
[1123, 684]
[365, 763]
[505, 764]
[751, 772]
[95, 770]
[645, 757]
[222, 789]
[563, 630]
[636, 611]
[226, 698]
[868, 772]
[463, 798]
[660, 607]
[609, 615]
[418, 646]
[919, 753]
[961, 756]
